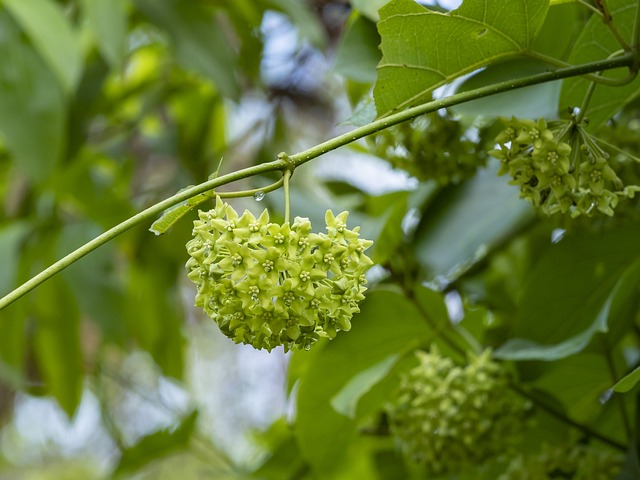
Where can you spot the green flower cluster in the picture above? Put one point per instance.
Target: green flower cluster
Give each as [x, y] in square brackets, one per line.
[559, 168]
[430, 147]
[266, 284]
[448, 417]
[577, 461]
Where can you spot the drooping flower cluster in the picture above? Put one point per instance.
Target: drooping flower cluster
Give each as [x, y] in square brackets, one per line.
[448, 417]
[266, 284]
[559, 167]
[430, 147]
[577, 461]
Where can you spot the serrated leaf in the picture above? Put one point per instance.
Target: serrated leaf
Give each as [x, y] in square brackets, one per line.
[171, 215]
[423, 50]
[596, 42]
[53, 36]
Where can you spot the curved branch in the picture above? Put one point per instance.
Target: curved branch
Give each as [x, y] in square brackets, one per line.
[284, 163]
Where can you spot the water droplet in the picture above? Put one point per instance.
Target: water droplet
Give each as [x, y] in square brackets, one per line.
[307, 347]
[605, 396]
[258, 196]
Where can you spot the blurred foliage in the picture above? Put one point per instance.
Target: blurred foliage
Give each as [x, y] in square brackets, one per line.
[109, 106]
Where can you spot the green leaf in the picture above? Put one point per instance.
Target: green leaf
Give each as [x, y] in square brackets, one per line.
[594, 43]
[11, 237]
[158, 444]
[388, 325]
[32, 110]
[95, 280]
[465, 222]
[369, 8]
[627, 382]
[578, 383]
[346, 400]
[358, 53]
[153, 316]
[419, 55]
[515, 102]
[57, 343]
[108, 22]
[171, 215]
[198, 41]
[53, 36]
[574, 284]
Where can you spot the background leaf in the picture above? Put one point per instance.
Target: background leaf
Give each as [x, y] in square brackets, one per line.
[346, 400]
[108, 23]
[53, 36]
[464, 222]
[57, 343]
[358, 53]
[32, 109]
[157, 445]
[387, 325]
[198, 42]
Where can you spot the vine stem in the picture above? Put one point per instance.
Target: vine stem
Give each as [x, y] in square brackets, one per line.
[635, 39]
[563, 417]
[287, 197]
[625, 60]
[585, 103]
[293, 161]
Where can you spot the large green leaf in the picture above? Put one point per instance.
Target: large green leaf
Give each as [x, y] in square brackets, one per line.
[108, 22]
[198, 41]
[32, 110]
[57, 343]
[423, 50]
[594, 43]
[624, 292]
[53, 36]
[464, 222]
[389, 324]
[358, 52]
[571, 283]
